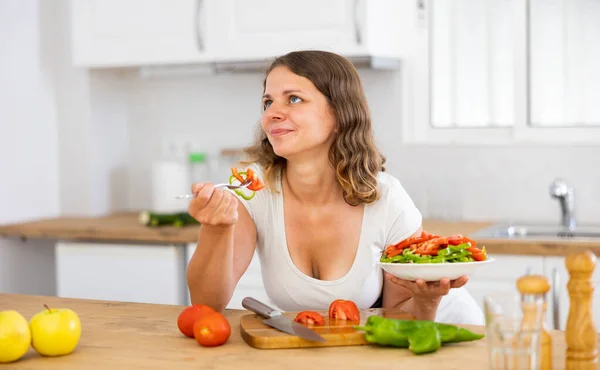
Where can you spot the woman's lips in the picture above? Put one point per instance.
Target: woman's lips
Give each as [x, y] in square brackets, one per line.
[279, 132]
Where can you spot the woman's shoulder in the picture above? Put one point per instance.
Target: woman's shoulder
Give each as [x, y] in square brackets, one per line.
[393, 195]
[390, 186]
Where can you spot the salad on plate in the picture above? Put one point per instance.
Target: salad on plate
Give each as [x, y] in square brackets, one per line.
[431, 248]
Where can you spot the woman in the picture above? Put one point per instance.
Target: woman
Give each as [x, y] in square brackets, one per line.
[328, 210]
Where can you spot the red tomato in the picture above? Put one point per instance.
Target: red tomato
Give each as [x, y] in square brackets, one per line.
[310, 317]
[212, 330]
[342, 309]
[189, 315]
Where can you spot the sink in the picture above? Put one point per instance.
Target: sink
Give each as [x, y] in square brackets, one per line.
[537, 231]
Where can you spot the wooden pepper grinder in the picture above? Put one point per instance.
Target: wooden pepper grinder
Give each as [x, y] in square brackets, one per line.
[581, 335]
[536, 287]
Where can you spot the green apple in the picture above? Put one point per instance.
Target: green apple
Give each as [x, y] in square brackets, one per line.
[55, 332]
[15, 337]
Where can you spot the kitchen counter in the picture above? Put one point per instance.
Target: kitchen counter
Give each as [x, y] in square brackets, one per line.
[118, 227]
[124, 227]
[118, 335]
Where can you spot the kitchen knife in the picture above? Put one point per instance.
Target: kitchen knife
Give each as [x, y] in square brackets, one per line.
[276, 320]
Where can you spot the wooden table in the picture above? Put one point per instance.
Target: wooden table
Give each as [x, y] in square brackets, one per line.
[117, 335]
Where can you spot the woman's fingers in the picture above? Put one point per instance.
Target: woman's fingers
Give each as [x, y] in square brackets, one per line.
[203, 196]
[224, 212]
[421, 286]
[214, 202]
[197, 187]
[213, 206]
[444, 287]
[431, 288]
[461, 281]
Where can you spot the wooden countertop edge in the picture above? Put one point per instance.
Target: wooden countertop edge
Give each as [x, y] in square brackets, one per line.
[124, 228]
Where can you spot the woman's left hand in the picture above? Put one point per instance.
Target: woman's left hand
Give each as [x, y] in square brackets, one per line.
[429, 290]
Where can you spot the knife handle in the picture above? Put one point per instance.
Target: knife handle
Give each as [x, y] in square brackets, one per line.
[259, 308]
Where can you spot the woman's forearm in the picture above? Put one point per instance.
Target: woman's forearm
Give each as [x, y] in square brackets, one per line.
[210, 270]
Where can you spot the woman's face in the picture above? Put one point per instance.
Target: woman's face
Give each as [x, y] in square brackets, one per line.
[296, 115]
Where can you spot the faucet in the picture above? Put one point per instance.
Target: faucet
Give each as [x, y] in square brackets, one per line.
[561, 191]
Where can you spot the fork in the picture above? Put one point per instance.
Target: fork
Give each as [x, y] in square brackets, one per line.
[223, 185]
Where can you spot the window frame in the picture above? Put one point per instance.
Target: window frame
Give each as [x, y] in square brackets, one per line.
[417, 128]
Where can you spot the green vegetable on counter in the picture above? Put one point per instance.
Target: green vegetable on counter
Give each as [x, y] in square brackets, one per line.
[419, 336]
[177, 219]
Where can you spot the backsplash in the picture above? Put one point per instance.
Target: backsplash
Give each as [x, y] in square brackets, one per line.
[446, 182]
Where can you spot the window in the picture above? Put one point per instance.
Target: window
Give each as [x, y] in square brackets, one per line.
[499, 71]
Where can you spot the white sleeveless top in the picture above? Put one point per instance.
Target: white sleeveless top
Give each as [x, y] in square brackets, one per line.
[392, 218]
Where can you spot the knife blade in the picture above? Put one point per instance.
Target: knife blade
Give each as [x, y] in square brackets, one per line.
[276, 320]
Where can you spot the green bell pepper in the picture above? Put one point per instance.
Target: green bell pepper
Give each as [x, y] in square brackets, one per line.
[240, 191]
[419, 336]
[426, 339]
[380, 330]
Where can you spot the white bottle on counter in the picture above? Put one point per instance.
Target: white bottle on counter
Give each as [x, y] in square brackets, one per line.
[169, 179]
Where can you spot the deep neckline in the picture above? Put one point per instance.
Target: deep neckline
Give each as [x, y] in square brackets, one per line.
[288, 257]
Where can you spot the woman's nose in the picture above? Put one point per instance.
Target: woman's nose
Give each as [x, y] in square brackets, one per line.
[275, 112]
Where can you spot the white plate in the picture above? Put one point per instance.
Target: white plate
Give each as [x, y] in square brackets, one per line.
[433, 271]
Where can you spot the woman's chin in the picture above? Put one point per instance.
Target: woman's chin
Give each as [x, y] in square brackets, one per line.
[283, 150]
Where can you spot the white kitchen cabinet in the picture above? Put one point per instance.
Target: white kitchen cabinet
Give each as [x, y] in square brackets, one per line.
[250, 284]
[136, 32]
[258, 29]
[560, 285]
[117, 33]
[502, 275]
[130, 273]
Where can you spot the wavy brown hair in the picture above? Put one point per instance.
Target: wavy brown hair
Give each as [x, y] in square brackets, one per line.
[353, 153]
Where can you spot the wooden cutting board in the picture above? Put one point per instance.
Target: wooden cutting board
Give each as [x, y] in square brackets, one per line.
[336, 332]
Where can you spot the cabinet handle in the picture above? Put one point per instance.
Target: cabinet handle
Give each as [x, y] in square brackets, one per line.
[197, 25]
[555, 298]
[357, 29]
[421, 13]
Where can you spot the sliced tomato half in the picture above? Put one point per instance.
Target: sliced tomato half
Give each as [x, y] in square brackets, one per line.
[310, 317]
[342, 309]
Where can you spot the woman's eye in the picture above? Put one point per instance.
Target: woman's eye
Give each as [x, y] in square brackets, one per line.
[295, 99]
[266, 104]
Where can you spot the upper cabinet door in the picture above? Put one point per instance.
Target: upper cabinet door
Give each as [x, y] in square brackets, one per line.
[114, 33]
[254, 29]
[138, 32]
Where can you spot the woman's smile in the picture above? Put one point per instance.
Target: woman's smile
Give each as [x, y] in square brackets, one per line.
[280, 132]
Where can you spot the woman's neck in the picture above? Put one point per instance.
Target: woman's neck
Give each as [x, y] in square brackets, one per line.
[312, 181]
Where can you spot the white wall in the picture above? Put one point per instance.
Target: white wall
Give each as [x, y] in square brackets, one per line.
[473, 183]
[109, 126]
[28, 146]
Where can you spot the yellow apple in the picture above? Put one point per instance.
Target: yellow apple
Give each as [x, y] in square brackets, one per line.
[15, 337]
[55, 332]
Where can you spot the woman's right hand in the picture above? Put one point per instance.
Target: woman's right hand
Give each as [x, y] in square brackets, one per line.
[213, 206]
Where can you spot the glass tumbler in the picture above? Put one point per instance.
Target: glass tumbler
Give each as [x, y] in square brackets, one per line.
[513, 326]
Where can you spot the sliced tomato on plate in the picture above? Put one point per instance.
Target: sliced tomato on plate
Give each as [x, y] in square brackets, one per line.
[310, 317]
[477, 254]
[342, 309]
